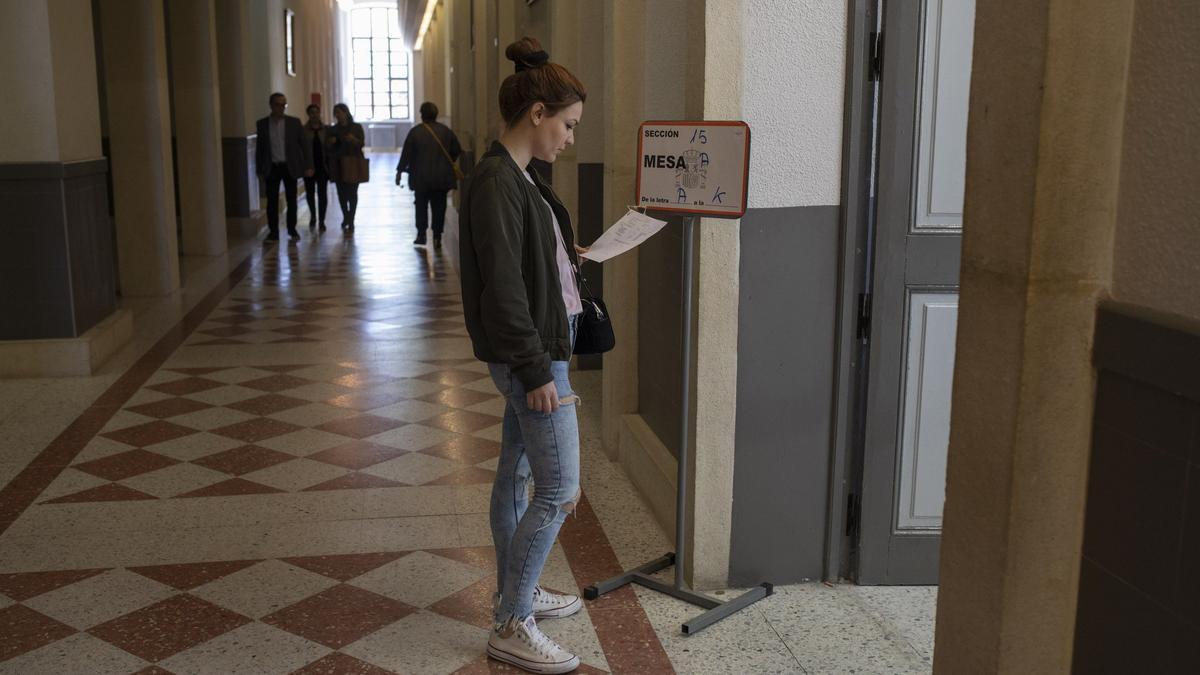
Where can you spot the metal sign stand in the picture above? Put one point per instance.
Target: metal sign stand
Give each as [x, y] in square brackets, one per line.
[716, 609]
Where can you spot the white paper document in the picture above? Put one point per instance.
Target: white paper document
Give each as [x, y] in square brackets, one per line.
[631, 230]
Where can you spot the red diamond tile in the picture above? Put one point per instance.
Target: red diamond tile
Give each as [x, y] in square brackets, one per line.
[458, 398]
[313, 306]
[479, 556]
[472, 604]
[233, 320]
[112, 492]
[168, 627]
[356, 454]
[149, 433]
[189, 576]
[267, 404]
[471, 476]
[25, 585]
[339, 616]
[465, 450]
[253, 431]
[231, 488]
[441, 325]
[453, 378]
[338, 663]
[24, 630]
[355, 481]
[345, 567]
[305, 317]
[188, 385]
[276, 383]
[153, 670]
[292, 340]
[361, 426]
[169, 407]
[463, 421]
[447, 362]
[244, 459]
[126, 464]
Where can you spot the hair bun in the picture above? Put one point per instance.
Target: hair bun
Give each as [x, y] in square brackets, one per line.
[526, 53]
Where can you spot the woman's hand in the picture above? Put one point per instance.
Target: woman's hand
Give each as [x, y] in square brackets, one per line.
[544, 399]
[582, 249]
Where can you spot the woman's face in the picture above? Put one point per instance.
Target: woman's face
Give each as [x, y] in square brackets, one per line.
[340, 115]
[553, 133]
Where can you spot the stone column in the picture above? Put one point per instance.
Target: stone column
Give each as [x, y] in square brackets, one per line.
[242, 202]
[198, 125]
[135, 74]
[60, 311]
[1044, 147]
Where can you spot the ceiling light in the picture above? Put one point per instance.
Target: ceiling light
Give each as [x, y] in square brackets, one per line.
[429, 7]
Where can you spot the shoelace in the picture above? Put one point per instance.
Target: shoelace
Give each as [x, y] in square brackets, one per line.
[541, 642]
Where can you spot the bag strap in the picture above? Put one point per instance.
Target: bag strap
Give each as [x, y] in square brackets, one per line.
[439, 142]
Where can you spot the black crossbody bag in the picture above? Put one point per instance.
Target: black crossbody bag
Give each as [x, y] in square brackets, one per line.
[593, 332]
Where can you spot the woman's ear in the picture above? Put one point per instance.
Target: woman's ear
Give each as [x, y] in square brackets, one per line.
[537, 113]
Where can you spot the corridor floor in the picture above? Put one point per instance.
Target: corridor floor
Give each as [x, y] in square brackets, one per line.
[289, 469]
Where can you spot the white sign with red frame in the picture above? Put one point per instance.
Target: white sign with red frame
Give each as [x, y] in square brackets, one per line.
[694, 167]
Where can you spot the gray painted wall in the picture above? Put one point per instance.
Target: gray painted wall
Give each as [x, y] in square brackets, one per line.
[786, 332]
[659, 312]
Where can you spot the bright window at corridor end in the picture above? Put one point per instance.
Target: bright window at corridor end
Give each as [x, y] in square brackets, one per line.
[380, 65]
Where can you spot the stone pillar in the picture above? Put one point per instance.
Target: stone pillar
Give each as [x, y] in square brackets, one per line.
[197, 126]
[60, 311]
[242, 203]
[1044, 148]
[135, 74]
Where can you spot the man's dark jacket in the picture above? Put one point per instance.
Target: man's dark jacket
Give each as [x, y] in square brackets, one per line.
[426, 164]
[299, 153]
[512, 296]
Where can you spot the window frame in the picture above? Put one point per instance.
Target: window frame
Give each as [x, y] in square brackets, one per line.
[380, 90]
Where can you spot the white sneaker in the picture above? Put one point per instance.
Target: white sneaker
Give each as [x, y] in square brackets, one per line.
[547, 605]
[522, 644]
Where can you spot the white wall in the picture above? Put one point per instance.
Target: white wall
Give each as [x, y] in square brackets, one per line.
[793, 94]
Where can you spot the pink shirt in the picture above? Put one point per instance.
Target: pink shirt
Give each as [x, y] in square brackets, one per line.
[566, 271]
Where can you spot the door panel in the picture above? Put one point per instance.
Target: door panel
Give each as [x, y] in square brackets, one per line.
[923, 97]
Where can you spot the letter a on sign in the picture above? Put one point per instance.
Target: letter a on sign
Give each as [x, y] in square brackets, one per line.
[694, 167]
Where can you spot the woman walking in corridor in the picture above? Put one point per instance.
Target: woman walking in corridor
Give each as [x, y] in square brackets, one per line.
[521, 300]
[347, 164]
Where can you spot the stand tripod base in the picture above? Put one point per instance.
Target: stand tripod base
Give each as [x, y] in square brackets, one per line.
[717, 609]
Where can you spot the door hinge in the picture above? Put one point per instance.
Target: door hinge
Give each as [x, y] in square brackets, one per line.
[864, 316]
[875, 68]
[852, 516]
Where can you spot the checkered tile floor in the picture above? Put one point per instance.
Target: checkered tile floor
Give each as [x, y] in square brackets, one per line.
[299, 485]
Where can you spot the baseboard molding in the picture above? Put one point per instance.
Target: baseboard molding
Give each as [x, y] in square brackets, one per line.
[651, 468]
[70, 357]
[246, 227]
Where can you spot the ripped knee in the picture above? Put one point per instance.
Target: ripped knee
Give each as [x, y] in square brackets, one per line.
[569, 507]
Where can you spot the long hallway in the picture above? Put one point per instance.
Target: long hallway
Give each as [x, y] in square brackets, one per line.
[295, 478]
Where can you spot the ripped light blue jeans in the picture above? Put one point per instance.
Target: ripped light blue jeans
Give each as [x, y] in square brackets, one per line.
[542, 448]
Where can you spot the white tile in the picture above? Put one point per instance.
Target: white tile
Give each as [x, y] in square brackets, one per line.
[239, 374]
[493, 407]
[318, 391]
[493, 433]
[264, 588]
[175, 480]
[411, 410]
[420, 579]
[490, 464]
[403, 368]
[195, 446]
[412, 437]
[123, 419]
[79, 654]
[313, 414]
[101, 598]
[211, 418]
[263, 337]
[224, 395]
[69, 482]
[446, 645]
[413, 468]
[304, 442]
[323, 372]
[144, 396]
[296, 475]
[100, 447]
[163, 376]
[252, 649]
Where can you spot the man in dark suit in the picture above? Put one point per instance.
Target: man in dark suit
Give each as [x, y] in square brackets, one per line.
[282, 157]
